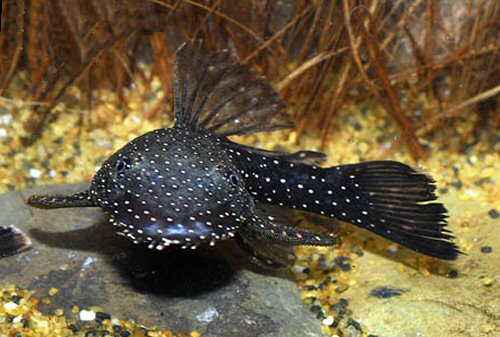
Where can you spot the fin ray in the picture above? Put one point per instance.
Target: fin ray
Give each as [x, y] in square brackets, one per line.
[288, 234]
[216, 94]
[12, 241]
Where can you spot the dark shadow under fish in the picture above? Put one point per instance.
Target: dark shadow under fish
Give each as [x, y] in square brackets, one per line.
[190, 184]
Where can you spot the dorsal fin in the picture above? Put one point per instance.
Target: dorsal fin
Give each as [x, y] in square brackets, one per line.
[217, 94]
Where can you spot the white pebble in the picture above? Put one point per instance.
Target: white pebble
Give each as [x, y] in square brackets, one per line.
[42, 324]
[208, 315]
[88, 261]
[6, 119]
[10, 306]
[328, 321]
[87, 315]
[393, 248]
[473, 193]
[34, 173]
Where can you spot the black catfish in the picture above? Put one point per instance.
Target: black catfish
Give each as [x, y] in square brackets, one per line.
[190, 184]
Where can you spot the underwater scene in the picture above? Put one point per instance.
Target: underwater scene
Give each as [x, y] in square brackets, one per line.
[259, 168]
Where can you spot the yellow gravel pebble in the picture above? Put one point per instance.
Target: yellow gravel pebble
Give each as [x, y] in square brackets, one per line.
[21, 316]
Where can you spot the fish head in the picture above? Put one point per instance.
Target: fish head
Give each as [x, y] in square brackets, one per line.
[173, 187]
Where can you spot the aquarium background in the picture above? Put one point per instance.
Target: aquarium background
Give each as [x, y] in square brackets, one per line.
[414, 81]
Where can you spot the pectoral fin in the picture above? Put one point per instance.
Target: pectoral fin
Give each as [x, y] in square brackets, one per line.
[12, 241]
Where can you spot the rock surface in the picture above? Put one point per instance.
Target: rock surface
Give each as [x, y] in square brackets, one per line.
[462, 300]
[214, 291]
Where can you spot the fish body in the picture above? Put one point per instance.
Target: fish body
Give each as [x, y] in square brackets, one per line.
[190, 184]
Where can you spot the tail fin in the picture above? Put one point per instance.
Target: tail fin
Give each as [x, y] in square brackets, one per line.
[12, 241]
[386, 197]
[393, 200]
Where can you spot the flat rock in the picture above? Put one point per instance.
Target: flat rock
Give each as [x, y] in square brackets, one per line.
[212, 290]
[434, 304]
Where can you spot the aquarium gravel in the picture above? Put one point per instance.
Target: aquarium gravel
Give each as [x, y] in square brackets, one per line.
[20, 315]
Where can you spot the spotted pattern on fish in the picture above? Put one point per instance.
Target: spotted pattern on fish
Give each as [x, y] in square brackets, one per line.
[189, 184]
[385, 197]
[172, 186]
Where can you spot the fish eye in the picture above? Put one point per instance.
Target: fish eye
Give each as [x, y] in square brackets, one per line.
[233, 178]
[121, 165]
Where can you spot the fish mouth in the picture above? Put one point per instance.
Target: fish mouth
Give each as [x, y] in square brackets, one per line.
[186, 233]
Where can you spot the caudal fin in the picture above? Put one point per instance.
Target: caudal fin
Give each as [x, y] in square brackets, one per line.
[386, 197]
[393, 200]
[12, 241]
